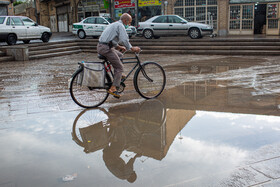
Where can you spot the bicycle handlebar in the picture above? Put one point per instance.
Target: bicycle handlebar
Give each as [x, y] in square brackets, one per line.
[137, 54]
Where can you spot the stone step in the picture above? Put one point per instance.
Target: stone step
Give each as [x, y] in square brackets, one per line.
[53, 50]
[38, 44]
[214, 52]
[204, 52]
[58, 45]
[208, 46]
[259, 48]
[2, 53]
[48, 55]
[6, 58]
[183, 43]
[174, 39]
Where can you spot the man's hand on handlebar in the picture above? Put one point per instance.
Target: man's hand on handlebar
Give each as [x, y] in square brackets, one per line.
[135, 49]
[121, 48]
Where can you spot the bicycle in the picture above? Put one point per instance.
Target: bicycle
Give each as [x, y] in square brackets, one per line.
[149, 81]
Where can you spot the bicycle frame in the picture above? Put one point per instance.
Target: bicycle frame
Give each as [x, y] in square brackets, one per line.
[107, 65]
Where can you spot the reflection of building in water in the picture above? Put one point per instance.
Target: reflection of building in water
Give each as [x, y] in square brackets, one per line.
[147, 128]
[208, 96]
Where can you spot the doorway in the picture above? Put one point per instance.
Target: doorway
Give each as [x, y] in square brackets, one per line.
[260, 19]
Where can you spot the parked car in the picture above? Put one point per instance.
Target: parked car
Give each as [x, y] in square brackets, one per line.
[94, 26]
[170, 25]
[13, 28]
[131, 30]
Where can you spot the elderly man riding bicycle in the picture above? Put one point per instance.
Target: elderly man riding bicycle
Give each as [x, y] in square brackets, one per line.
[109, 47]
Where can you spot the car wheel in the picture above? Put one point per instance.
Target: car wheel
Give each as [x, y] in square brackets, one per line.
[194, 33]
[81, 34]
[148, 34]
[156, 37]
[26, 41]
[11, 39]
[45, 37]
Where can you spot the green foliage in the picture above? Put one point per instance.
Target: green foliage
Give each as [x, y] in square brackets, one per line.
[17, 3]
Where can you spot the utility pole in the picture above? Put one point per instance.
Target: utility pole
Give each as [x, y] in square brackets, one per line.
[136, 13]
[36, 12]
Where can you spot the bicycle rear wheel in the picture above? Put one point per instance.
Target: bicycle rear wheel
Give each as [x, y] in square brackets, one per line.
[90, 129]
[88, 97]
[150, 81]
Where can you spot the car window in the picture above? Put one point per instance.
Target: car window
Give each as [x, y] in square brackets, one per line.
[101, 21]
[8, 21]
[17, 22]
[28, 22]
[110, 20]
[90, 20]
[161, 19]
[174, 19]
[2, 19]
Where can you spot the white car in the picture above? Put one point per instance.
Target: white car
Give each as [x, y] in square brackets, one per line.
[170, 25]
[13, 28]
[94, 26]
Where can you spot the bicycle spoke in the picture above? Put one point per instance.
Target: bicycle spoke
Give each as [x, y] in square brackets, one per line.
[151, 83]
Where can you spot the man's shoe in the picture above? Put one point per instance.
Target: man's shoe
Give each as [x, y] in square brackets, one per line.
[115, 94]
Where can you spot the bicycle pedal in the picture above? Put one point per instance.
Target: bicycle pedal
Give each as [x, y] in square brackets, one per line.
[121, 88]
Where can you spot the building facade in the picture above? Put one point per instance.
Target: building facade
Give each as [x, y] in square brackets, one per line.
[6, 7]
[234, 17]
[228, 17]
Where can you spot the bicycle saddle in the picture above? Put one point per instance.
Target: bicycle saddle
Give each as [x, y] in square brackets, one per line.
[102, 57]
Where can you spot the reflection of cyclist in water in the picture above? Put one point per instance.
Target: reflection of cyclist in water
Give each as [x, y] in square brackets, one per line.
[133, 128]
[117, 166]
[120, 137]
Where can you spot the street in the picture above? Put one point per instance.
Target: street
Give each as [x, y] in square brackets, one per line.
[215, 124]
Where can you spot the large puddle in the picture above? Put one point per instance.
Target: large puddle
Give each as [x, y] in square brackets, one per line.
[215, 125]
[193, 135]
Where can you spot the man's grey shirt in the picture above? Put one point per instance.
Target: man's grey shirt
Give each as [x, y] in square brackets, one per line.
[116, 33]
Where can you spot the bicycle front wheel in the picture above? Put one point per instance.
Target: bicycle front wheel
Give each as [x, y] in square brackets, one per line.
[88, 97]
[149, 81]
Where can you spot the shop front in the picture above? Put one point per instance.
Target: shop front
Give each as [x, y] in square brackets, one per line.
[145, 9]
[87, 8]
[248, 18]
[148, 9]
[124, 6]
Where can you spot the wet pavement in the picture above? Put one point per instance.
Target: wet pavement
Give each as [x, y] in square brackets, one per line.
[216, 124]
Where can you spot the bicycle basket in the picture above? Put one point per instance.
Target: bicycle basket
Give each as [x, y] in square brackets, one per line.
[93, 75]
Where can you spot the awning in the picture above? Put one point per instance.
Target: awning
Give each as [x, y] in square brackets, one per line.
[4, 2]
[251, 1]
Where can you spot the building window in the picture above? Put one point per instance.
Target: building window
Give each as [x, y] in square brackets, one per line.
[87, 8]
[272, 11]
[189, 13]
[179, 11]
[241, 17]
[179, 3]
[273, 23]
[203, 11]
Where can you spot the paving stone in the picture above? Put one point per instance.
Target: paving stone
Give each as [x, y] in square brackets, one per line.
[270, 168]
[245, 176]
[273, 183]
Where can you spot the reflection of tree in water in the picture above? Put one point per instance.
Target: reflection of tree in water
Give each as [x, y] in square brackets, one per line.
[138, 128]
